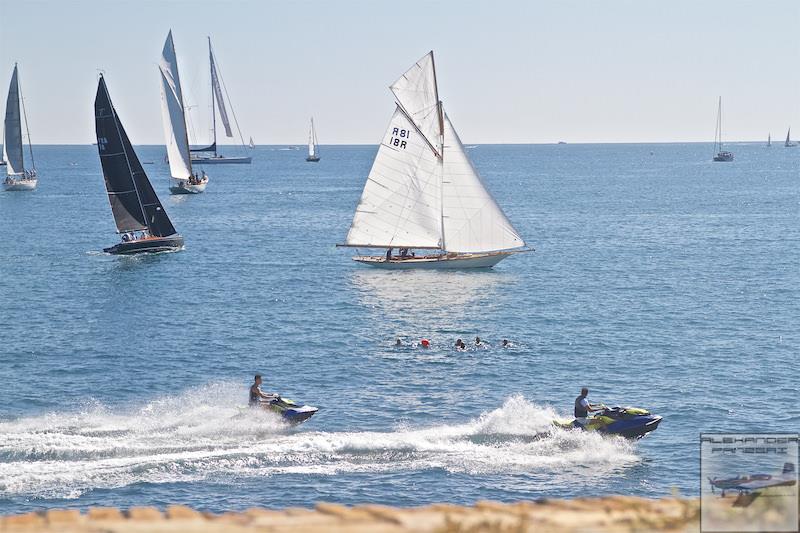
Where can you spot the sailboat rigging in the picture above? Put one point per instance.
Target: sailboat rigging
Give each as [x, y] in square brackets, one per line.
[209, 154]
[139, 216]
[424, 193]
[183, 179]
[313, 151]
[720, 155]
[18, 178]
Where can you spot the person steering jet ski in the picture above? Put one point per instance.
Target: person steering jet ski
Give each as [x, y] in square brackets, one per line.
[583, 408]
[257, 397]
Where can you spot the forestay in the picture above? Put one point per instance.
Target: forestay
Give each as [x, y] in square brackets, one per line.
[12, 132]
[418, 96]
[172, 113]
[473, 222]
[401, 203]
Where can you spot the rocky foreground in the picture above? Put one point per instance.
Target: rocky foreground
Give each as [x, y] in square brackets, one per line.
[609, 514]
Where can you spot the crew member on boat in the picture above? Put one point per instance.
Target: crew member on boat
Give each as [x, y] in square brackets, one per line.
[257, 397]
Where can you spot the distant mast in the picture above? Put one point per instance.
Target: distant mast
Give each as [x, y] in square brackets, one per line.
[769, 139]
[719, 153]
[789, 143]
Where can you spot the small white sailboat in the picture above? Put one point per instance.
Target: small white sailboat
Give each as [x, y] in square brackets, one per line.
[209, 154]
[789, 143]
[720, 155]
[18, 178]
[424, 193]
[183, 179]
[313, 152]
[769, 140]
[252, 145]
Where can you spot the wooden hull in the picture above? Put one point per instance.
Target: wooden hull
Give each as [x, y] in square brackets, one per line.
[435, 262]
[221, 160]
[151, 245]
[20, 184]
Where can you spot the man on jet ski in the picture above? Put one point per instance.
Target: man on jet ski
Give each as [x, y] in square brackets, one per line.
[256, 396]
[583, 408]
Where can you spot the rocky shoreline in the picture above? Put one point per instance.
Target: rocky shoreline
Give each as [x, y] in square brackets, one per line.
[608, 514]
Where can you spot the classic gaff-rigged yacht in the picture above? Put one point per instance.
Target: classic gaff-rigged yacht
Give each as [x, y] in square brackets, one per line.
[183, 179]
[719, 153]
[423, 192]
[789, 143]
[209, 154]
[138, 213]
[313, 153]
[18, 177]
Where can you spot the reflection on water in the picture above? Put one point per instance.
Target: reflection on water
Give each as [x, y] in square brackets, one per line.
[422, 297]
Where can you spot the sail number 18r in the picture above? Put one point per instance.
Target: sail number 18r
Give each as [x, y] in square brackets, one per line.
[399, 138]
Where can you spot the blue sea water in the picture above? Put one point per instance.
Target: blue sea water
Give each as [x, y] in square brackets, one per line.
[660, 280]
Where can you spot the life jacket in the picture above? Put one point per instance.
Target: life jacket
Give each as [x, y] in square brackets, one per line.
[580, 411]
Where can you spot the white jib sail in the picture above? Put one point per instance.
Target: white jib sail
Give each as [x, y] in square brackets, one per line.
[223, 112]
[12, 130]
[401, 203]
[417, 94]
[312, 141]
[473, 222]
[172, 114]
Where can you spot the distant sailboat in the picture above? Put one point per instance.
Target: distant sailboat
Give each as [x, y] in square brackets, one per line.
[313, 153]
[719, 153]
[209, 154]
[423, 192]
[183, 181]
[769, 139]
[18, 177]
[138, 213]
[252, 144]
[789, 143]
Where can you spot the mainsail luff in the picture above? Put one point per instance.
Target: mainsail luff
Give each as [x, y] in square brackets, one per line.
[173, 115]
[13, 153]
[134, 203]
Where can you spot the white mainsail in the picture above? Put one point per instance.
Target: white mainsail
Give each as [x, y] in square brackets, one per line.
[223, 113]
[473, 222]
[172, 114]
[312, 141]
[401, 203]
[417, 94]
[12, 131]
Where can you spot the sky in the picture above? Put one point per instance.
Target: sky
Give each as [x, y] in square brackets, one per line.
[515, 71]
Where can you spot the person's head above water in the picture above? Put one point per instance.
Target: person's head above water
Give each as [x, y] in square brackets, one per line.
[505, 342]
[398, 342]
[459, 342]
[257, 379]
[477, 340]
[584, 391]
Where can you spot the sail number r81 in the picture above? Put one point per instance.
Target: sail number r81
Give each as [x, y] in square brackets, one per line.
[399, 138]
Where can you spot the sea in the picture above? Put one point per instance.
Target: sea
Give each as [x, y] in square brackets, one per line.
[659, 280]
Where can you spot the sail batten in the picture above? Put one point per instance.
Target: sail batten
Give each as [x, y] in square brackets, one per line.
[172, 113]
[12, 131]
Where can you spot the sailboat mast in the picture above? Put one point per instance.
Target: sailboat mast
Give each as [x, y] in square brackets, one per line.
[25, 117]
[213, 107]
[441, 149]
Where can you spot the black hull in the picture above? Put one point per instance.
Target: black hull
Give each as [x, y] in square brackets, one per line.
[144, 246]
[312, 159]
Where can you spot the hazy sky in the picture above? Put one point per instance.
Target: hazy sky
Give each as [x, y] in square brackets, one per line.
[522, 71]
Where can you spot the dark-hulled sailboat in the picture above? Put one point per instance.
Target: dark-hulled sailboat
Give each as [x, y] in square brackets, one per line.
[138, 213]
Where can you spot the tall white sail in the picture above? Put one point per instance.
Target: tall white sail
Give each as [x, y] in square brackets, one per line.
[473, 222]
[12, 131]
[172, 114]
[417, 94]
[223, 113]
[312, 141]
[401, 203]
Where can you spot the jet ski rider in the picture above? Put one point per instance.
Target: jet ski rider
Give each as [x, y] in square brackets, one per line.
[256, 396]
[583, 408]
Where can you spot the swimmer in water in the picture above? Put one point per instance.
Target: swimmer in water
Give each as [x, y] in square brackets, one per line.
[460, 345]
